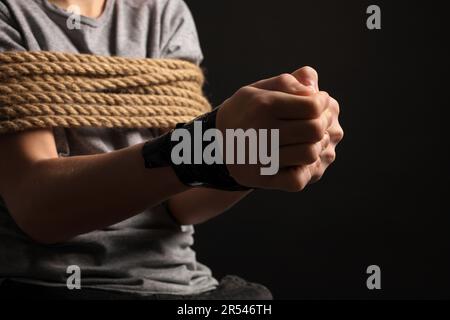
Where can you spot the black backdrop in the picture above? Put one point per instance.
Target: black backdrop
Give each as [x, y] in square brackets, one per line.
[383, 201]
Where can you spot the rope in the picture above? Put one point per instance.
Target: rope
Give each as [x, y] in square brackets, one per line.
[51, 89]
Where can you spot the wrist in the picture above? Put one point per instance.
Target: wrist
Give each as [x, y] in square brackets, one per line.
[189, 165]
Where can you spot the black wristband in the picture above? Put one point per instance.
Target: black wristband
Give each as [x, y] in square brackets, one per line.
[157, 153]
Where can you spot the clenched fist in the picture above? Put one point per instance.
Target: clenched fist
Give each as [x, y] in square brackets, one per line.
[307, 120]
[333, 135]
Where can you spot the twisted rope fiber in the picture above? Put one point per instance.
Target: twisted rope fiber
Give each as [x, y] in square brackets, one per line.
[51, 89]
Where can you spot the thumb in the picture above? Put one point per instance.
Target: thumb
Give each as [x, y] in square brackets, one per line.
[308, 77]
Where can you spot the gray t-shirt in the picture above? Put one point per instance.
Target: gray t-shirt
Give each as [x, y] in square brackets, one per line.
[148, 253]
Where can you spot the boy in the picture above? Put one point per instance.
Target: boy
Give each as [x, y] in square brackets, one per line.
[82, 196]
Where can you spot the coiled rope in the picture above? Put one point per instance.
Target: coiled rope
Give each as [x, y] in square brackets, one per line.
[50, 89]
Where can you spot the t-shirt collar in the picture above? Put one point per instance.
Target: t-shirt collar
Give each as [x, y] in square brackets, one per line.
[93, 22]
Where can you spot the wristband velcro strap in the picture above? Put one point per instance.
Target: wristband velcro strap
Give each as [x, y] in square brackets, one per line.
[158, 153]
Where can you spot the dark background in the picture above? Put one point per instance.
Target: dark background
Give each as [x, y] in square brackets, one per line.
[383, 201]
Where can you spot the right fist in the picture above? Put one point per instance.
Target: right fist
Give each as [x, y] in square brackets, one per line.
[299, 112]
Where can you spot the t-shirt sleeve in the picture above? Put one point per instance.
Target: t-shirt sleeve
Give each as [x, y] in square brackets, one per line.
[179, 33]
[10, 37]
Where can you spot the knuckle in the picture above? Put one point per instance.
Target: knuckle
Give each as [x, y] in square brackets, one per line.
[310, 71]
[312, 154]
[325, 100]
[316, 130]
[339, 134]
[245, 92]
[286, 79]
[325, 95]
[329, 157]
[334, 105]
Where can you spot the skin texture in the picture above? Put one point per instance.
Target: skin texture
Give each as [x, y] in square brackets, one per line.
[54, 199]
[308, 122]
[88, 8]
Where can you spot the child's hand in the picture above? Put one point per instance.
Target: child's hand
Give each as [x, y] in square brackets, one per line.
[333, 135]
[306, 119]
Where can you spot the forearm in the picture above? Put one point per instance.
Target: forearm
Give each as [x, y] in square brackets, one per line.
[199, 205]
[64, 197]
